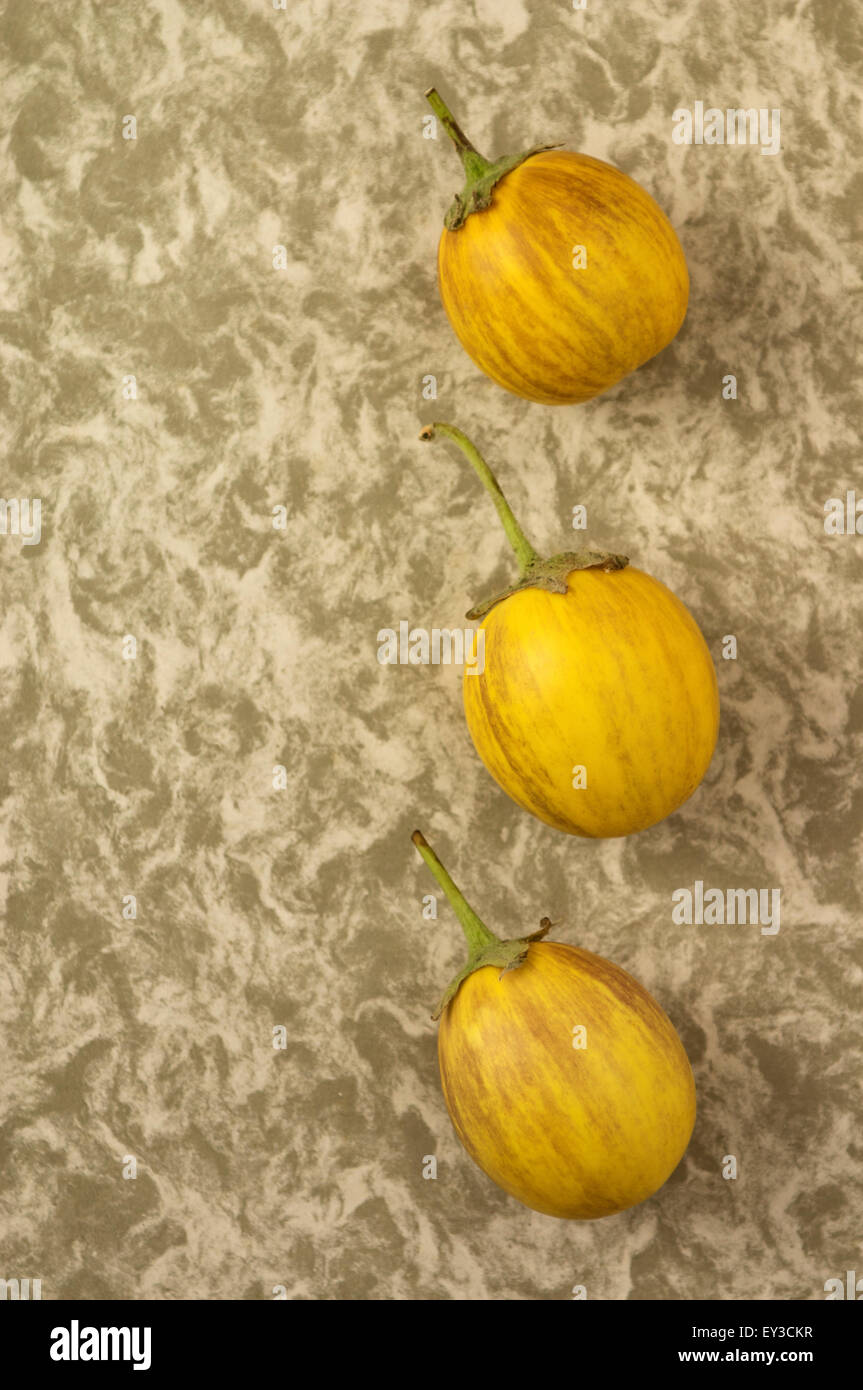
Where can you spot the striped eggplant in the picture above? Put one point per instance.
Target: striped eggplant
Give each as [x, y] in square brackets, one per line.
[596, 705]
[564, 1079]
[559, 273]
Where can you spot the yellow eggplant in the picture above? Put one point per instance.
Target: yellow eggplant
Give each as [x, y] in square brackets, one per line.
[558, 272]
[564, 1079]
[596, 705]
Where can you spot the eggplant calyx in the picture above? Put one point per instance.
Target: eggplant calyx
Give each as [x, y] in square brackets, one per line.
[483, 946]
[477, 193]
[503, 955]
[481, 174]
[552, 575]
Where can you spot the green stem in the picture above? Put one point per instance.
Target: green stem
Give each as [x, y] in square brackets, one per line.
[475, 164]
[477, 933]
[484, 948]
[524, 551]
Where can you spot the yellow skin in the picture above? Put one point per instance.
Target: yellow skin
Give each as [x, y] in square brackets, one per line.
[614, 676]
[536, 325]
[574, 1133]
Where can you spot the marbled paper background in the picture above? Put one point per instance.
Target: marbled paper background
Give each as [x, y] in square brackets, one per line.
[259, 387]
